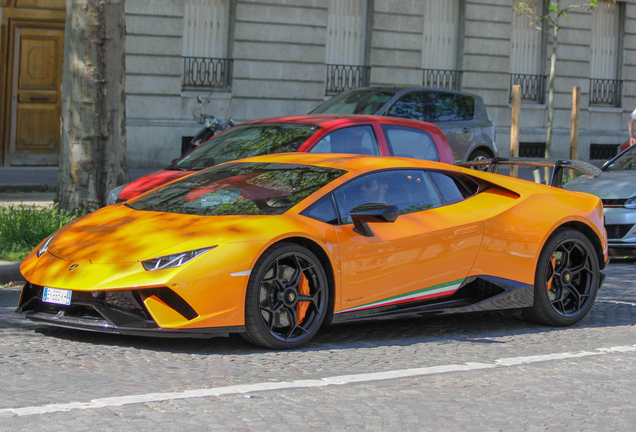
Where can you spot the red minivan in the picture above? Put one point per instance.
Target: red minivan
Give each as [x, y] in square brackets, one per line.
[321, 133]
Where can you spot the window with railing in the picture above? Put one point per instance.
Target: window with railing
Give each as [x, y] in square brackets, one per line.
[440, 44]
[346, 46]
[206, 64]
[527, 56]
[603, 151]
[605, 84]
[532, 87]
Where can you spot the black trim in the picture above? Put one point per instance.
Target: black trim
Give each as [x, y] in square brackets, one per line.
[476, 294]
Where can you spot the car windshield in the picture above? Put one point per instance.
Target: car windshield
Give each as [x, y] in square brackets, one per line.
[367, 101]
[239, 189]
[627, 161]
[245, 141]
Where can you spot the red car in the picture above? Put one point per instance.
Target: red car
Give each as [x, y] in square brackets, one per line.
[322, 133]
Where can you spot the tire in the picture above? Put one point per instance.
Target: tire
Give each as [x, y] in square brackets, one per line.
[287, 298]
[479, 155]
[567, 280]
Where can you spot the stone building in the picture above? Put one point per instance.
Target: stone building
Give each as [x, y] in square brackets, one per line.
[264, 58]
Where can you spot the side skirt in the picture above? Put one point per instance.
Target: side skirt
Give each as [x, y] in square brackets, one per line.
[475, 294]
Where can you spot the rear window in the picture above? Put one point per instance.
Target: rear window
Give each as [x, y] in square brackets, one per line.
[239, 189]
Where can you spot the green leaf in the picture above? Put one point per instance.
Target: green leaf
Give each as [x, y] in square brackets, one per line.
[553, 8]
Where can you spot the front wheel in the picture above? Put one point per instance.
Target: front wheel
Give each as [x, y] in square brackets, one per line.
[287, 298]
[567, 279]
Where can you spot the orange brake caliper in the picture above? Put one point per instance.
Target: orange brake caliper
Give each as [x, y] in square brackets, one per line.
[301, 308]
[553, 267]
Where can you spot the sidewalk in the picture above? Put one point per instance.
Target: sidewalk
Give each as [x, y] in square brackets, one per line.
[34, 186]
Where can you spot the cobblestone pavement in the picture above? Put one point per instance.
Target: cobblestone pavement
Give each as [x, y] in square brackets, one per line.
[591, 388]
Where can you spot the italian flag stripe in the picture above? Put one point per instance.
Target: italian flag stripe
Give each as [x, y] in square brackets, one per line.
[423, 294]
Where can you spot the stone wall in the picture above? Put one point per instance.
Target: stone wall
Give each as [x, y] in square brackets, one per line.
[279, 49]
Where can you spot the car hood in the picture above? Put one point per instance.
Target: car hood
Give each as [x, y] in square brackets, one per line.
[150, 181]
[117, 234]
[610, 185]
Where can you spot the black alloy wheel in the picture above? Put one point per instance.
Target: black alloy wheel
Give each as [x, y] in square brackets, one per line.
[566, 280]
[287, 298]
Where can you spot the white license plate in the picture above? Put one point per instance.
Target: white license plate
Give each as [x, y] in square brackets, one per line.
[57, 296]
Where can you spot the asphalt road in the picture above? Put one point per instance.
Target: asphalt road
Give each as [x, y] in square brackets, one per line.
[452, 373]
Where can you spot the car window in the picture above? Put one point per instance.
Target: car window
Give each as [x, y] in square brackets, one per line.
[323, 211]
[446, 187]
[410, 190]
[409, 106]
[355, 140]
[245, 141]
[443, 107]
[366, 101]
[626, 161]
[411, 143]
[239, 189]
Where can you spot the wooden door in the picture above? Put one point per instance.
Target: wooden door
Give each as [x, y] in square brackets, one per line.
[36, 96]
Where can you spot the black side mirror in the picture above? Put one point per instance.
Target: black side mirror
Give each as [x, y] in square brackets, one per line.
[365, 213]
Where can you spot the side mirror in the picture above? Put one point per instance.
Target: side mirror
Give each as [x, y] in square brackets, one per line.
[365, 213]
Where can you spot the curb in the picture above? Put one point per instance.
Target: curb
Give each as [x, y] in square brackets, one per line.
[10, 272]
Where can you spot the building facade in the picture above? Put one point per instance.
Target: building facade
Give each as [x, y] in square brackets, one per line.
[265, 58]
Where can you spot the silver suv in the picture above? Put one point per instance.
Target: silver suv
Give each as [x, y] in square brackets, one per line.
[461, 116]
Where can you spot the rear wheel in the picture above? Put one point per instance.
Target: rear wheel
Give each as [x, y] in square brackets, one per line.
[479, 156]
[287, 298]
[566, 280]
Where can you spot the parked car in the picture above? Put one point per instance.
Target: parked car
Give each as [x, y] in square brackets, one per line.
[617, 189]
[275, 246]
[313, 133]
[461, 116]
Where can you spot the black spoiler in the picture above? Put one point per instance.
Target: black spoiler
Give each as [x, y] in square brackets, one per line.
[558, 164]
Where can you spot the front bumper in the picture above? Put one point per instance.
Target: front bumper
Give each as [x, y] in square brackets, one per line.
[120, 312]
[620, 224]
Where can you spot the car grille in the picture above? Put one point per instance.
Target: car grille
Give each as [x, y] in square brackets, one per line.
[618, 231]
[613, 202]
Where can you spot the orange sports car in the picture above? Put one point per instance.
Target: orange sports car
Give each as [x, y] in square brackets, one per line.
[273, 247]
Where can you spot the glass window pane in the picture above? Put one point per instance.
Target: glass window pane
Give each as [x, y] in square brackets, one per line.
[409, 106]
[446, 187]
[323, 211]
[410, 190]
[354, 140]
[411, 143]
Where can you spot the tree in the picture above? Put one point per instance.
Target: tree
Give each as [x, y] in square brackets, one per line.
[93, 134]
[552, 17]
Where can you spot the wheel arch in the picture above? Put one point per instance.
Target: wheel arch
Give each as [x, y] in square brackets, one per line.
[320, 253]
[482, 148]
[589, 233]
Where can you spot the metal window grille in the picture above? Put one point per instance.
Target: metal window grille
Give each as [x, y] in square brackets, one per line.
[533, 150]
[439, 78]
[346, 77]
[603, 151]
[605, 92]
[532, 87]
[211, 73]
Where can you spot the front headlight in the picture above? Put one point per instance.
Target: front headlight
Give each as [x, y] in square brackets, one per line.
[114, 194]
[630, 203]
[172, 261]
[45, 246]
[208, 123]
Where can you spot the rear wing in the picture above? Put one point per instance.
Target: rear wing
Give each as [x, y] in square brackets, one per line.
[558, 166]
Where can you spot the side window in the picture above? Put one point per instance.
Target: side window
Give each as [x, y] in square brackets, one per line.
[355, 140]
[443, 107]
[323, 211]
[410, 190]
[447, 188]
[410, 142]
[409, 106]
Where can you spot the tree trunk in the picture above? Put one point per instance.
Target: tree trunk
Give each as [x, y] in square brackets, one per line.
[551, 85]
[93, 141]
